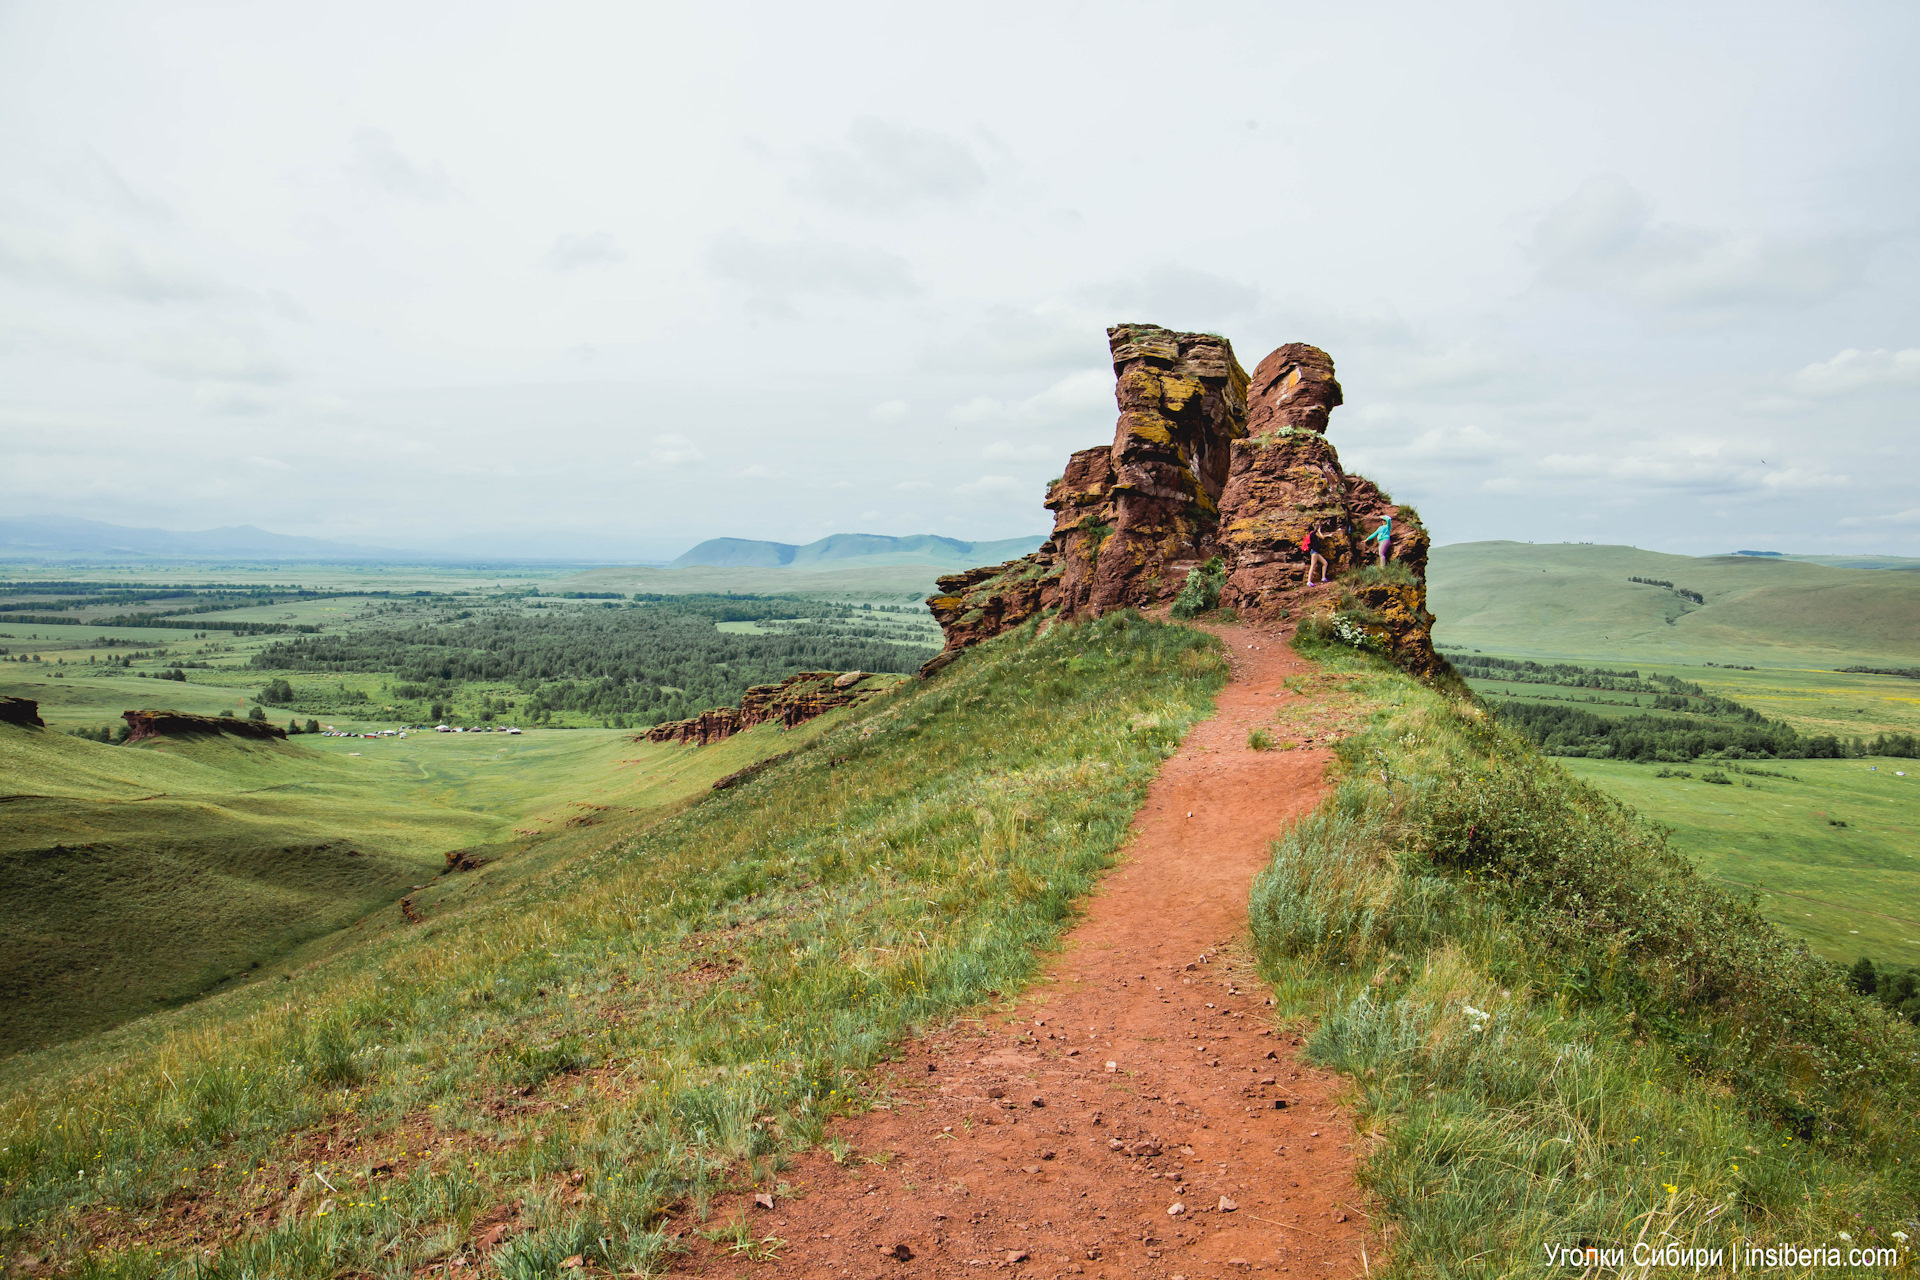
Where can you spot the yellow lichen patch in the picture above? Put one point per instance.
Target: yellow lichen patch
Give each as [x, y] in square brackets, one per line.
[1138, 386]
[945, 602]
[1177, 392]
[1150, 427]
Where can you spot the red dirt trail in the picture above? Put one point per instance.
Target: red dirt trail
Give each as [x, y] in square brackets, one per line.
[1139, 1072]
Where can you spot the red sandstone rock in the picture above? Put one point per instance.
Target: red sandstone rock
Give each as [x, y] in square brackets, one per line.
[179, 724]
[793, 701]
[24, 712]
[1293, 387]
[1205, 461]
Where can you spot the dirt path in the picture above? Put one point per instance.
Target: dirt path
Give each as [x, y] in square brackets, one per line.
[1138, 1074]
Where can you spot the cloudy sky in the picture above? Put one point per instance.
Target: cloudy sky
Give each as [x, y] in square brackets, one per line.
[605, 280]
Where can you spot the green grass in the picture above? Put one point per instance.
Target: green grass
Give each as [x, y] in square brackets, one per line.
[148, 875]
[699, 992]
[1847, 890]
[1574, 602]
[1558, 1033]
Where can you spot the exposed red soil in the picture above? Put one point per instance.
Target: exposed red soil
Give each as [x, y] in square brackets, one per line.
[1013, 1144]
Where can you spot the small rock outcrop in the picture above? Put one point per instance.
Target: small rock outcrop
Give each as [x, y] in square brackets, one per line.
[179, 724]
[24, 712]
[1207, 461]
[793, 701]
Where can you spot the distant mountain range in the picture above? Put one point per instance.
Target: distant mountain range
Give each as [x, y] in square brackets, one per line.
[65, 539]
[869, 548]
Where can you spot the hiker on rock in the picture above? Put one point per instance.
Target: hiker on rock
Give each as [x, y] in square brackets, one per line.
[1384, 536]
[1314, 558]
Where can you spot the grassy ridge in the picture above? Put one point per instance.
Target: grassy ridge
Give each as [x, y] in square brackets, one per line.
[1559, 1033]
[694, 994]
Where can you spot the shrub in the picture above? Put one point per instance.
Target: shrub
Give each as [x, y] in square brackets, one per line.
[1260, 740]
[1201, 594]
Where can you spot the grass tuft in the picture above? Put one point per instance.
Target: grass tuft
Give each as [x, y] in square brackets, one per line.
[1559, 1031]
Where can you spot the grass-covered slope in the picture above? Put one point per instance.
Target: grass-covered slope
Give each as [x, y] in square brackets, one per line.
[140, 876]
[1559, 1033]
[610, 1026]
[1579, 601]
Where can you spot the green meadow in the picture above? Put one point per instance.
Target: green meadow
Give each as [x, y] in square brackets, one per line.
[1832, 847]
[152, 874]
[1768, 634]
[1575, 602]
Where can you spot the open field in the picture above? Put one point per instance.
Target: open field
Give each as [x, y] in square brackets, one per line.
[151, 874]
[1812, 700]
[1794, 623]
[1575, 602]
[1849, 890]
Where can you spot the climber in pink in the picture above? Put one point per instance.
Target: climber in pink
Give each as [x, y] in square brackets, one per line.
[1314, 558]
[1384, 536]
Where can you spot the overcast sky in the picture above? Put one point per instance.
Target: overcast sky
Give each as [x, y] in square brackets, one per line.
[606, 280]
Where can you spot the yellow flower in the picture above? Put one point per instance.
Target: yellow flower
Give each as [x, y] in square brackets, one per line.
[1671, 1189]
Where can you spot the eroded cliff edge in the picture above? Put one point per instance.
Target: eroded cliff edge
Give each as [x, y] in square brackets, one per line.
[1208, 462]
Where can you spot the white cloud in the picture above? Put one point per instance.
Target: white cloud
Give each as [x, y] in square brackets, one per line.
[884, 168]
[913, 486]
[758, 471]
[212, 356]
[1074, 398]
[672, 450]
[776, 274]
[1003, 338]
[1694, 466]
[889, 411]
[1462, 366]
[997, 487]
[1004, 451]
[226, 398]
[1911, 516]
[272, 464]
[583, 249]
[1855, 370]
[980, 409]
[378, 162]
[1603, 238]
[97, 263]
[1178, 297]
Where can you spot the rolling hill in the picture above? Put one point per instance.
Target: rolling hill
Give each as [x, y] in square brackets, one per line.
[869, 549]
[1578, 600]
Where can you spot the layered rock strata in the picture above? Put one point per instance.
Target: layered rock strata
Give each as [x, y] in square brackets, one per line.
[142, 725]
[793, 701]
[1207, 461]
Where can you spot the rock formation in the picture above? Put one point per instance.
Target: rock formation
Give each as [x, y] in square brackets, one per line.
[793, 701]
[179, 724]
[24, 712]
[1207, 462]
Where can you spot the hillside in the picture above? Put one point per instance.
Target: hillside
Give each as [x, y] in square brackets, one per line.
[867, 549]
[1576, 600]
[153, 874]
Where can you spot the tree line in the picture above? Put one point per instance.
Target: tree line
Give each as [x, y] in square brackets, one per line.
[1569, 731]
[664, 660]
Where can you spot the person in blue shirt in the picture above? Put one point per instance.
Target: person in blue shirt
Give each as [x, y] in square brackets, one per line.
[1384, 536]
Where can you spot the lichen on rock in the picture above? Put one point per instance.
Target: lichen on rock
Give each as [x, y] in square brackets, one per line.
[1206, 461]
[794, 701]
